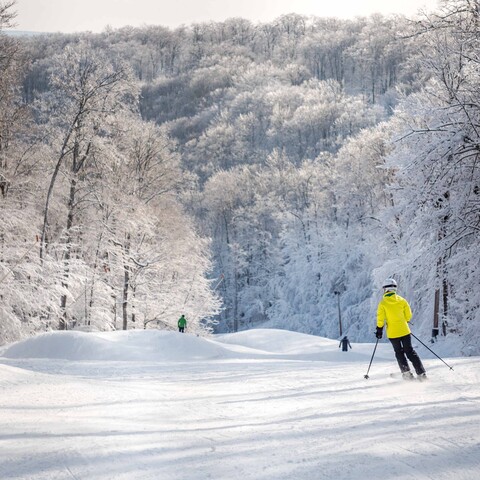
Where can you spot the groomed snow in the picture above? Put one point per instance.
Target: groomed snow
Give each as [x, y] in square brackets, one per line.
[261, 404]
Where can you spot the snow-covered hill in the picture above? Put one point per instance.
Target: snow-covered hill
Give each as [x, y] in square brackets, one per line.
[262, 404]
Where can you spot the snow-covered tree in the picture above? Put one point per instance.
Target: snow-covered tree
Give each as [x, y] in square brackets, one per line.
[436, 194]
[87, 90]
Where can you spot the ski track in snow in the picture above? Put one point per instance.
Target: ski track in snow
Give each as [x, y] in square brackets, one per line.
[234, 408]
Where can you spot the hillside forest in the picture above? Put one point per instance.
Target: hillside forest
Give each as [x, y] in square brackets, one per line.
[245, 175]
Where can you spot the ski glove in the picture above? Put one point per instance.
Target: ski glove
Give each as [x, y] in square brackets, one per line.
[379, 333]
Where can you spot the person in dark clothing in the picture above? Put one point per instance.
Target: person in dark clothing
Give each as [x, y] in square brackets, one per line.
[344, 343]
[182, 323]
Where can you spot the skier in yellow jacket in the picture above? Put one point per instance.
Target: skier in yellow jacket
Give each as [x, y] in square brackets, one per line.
[395, 312]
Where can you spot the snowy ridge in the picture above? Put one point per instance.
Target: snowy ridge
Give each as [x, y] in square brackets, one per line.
[166, 346]
[114, 346]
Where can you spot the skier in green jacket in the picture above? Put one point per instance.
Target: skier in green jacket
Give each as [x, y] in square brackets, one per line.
[182, 323]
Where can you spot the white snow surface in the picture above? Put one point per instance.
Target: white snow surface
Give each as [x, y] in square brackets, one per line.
[260, 404]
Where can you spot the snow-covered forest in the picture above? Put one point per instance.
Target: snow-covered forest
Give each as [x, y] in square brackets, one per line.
[246, 175]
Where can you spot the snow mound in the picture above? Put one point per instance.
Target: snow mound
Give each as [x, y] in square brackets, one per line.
[115, 346]
[279, 341]
[163, 346]
[285, 344]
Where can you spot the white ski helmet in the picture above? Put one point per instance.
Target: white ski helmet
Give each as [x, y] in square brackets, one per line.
[390, 285]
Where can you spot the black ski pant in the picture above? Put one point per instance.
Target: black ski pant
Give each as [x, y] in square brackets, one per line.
[403, 350]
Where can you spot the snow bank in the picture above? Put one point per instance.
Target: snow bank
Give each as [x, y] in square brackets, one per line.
[163, 346]
[278, 341]
[115, 346]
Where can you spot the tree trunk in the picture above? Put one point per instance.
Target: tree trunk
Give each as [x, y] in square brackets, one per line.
[63, 324]
[126, 282]
[61, 157]
[134, 316]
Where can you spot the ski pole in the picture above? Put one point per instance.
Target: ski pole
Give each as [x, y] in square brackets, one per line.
[451, 368]
[371, 360]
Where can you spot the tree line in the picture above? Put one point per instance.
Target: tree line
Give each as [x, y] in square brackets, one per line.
[302, 160]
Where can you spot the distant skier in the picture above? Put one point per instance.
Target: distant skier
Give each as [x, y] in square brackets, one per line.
[396, 313]
[344, 343]
[182, 323]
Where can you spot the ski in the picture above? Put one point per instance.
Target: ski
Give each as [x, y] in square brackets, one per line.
[411, 378]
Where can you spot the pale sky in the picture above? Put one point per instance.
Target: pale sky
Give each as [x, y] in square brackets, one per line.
[95, 15]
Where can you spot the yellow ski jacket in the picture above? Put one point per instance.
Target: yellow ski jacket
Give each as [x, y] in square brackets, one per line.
[396, 313]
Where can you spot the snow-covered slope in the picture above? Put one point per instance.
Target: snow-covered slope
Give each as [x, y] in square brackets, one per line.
[262, 404]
